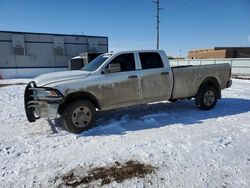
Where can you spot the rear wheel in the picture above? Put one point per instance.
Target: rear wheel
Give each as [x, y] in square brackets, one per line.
[173, 100]
[79, 116]
[206, 98]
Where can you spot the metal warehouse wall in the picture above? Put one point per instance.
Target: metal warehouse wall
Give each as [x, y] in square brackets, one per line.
[25, 54]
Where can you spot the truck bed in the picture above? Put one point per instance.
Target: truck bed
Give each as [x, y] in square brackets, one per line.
[187, 79]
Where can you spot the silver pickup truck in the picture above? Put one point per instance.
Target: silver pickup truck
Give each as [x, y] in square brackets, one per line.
[121, 79]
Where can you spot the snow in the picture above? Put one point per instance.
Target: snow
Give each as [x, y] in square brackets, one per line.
[189, 147]
[14, 81]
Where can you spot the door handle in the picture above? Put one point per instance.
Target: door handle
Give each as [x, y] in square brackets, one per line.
[164, 73]
[132, 76]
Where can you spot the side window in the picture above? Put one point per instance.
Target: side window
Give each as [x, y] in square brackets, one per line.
[126, 61]
[150, 60]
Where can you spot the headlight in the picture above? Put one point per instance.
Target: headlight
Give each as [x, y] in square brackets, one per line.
[46, 94]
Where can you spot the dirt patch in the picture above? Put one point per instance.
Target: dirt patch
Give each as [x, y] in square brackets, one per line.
[117, 172]
[4, 85]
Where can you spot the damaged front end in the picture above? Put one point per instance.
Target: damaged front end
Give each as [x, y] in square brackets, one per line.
[41, 102]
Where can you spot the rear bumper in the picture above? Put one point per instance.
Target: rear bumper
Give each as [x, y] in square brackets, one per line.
[36, 108]
[229, 83]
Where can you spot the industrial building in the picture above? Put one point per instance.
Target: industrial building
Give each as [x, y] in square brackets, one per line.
[220, 52]
[25, 54]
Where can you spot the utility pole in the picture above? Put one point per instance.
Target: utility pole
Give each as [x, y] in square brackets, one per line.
[179, 53]
[248, 37]
[157, 2]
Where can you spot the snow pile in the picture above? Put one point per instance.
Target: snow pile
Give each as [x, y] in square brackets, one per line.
[189, 147]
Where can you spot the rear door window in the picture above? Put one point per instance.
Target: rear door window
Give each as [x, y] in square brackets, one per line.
[150, 60]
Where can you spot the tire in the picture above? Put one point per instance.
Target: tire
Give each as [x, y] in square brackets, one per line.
[206, 98]
[173, 100]
[79, 116]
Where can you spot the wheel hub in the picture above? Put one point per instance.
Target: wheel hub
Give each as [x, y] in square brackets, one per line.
[209, 98]
[81, 116]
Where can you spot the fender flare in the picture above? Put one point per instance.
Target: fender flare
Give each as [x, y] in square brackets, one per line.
[82, 95]
[211, 81]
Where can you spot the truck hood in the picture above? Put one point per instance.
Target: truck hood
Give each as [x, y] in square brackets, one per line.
[55, 77]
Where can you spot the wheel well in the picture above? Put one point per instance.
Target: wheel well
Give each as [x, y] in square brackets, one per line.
[213, 82]
[78, 96]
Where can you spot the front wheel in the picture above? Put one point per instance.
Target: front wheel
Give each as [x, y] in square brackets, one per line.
[206, 98]
[79, 116]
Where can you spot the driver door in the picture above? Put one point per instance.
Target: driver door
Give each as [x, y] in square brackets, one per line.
[121, 87]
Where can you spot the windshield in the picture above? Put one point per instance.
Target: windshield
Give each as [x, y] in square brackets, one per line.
[95, 63]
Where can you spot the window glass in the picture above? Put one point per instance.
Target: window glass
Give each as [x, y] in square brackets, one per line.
[95, 63]
[126, 61]
[150, 60]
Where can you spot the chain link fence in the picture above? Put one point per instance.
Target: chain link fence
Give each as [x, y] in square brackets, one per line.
[240, 66]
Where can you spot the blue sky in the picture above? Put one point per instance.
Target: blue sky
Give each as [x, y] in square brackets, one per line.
[130, 24]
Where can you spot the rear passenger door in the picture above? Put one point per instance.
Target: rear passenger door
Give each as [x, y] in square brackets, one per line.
[154, 78]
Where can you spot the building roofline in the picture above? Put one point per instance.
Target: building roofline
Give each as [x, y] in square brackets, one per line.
[231, 47]
[219, 48]
[54, 34]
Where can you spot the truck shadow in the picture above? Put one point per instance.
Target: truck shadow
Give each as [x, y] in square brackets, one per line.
[120, 121]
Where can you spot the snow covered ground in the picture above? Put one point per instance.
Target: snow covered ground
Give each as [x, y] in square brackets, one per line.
[189, 147]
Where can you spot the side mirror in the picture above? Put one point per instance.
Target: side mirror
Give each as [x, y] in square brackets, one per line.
[112, 68]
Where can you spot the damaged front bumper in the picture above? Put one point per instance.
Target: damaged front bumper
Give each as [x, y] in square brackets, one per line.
[41, 102]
